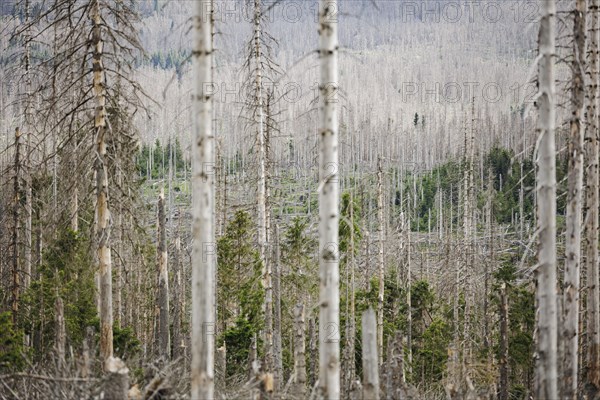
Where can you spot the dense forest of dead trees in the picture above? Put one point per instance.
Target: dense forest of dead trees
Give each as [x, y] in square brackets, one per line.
[329, 248]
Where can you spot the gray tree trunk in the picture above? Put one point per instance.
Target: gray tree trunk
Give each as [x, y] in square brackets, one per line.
[570, 334]
[380, 259]
[503, 386]
[591, 206]
[299, 389]
[277, 348]
[329, 315]
[370, 360]
[102, 219]
[546, 369]
[163, 281]
[204, 246]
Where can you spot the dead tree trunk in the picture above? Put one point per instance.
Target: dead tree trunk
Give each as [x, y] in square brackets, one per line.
[299, 389]
[312, 359]
[329, 310]
[380, 260]
[177, 296]
[369, 358]
[203, 252]
[163, 280]
[116, 384]
[60, 333]
[101, 174]
[16, 267]
[503, 386]
[277, 349]
[570, 332]
[591, 206]
[546, 378]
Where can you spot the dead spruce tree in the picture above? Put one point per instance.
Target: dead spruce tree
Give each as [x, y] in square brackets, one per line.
[329, 310]
[203, 230]
[570, 328]
[592, 203]
[101, 180]
[380, 259]
[546, 368]
[163, 280]
[261, 71]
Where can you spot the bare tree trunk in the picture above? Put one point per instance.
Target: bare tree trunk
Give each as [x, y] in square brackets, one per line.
[409, 324]
[16, 267]
[299, 389]
[60, 333]
[381, 261]
[591, 207]
[546, 379]
[329, 310]
[277, 312]
[570, 334]
[221, 367]
[204, 247]
[369, 358]
[163, 280]
[312, 359]
[177, 296]
[503, 389]
[116, 384]
[29, 127]
[102, 211]
[349, 367]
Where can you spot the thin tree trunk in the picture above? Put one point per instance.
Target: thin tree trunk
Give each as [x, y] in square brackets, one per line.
[591, 206]
[60, 333]
[177, 296]
[312, 359]
[277, 349]
[380, 260]
[299, 389]
[163, 280]
[203, 251]
[503, 387]
[16, 267]
[369, 358]
[570, 332]
[29, 127]
[546, 379]
[409, 323]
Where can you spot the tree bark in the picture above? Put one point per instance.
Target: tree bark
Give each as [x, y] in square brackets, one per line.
[299, 389]
[369, 358]
[277, 348]
[16, 265]
[177, 296]
[591, 206]
[204, 247]
[102, 203]
[261, 141]
[163, 280]
[546, 379]
[380, 259]
[60, 333]
[503, 386]
[329, 318]
[570, 334]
